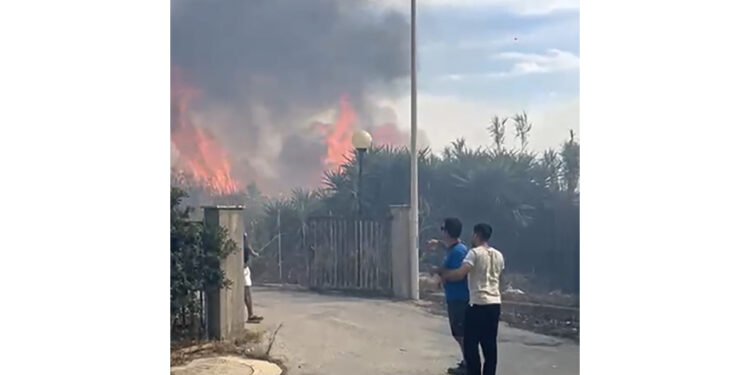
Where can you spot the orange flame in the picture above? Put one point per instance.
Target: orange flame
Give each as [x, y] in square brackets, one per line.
[339, 137]
[201, 154]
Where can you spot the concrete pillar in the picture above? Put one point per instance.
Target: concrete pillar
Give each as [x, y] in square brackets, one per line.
[225, 308]
[400, 263]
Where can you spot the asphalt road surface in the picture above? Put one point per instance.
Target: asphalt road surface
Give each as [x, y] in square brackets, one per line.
[342, 335]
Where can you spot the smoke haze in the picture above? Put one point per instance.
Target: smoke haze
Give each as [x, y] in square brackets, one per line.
[266, 69]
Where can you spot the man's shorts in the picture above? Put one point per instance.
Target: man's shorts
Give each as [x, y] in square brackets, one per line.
[248, 279]
[456, 316]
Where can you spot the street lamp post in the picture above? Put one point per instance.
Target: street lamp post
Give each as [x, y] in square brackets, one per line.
[414, 200]
[361, 140]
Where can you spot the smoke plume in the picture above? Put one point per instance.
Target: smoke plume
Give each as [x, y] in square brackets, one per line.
[266, 70]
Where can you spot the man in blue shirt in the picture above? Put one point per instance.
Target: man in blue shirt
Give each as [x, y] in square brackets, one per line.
[456, 292]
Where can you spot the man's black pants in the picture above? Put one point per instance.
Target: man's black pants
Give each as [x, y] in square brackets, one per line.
[481, 329]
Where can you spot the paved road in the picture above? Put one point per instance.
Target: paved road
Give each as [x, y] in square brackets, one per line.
[340, 335]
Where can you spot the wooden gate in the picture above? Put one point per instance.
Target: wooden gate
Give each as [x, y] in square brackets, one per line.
[350, 254]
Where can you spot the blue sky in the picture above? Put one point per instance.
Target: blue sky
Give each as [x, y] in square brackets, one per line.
[462, 49]
[483, 57]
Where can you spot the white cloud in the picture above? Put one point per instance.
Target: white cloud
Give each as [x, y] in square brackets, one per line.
[523, 7]
[525, 63]
[529, 63]
[454, 77]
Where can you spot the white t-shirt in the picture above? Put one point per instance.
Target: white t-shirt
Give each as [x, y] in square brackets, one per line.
[487, 263]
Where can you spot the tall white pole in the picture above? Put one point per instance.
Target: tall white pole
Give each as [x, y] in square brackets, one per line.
[278, 229]
[414, 198]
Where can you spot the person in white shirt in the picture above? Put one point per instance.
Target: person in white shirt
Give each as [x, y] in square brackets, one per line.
[483, 264]
[248, 254]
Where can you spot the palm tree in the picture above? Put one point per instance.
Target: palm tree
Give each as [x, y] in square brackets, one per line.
[550, 166]
[523, 127]
[497, 131]
[571, 164]
[530, 200]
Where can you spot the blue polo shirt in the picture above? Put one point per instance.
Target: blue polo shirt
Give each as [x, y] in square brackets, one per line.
[456, 290]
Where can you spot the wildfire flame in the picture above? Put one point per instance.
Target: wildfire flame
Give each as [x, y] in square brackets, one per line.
[200, 154]
[339, 138]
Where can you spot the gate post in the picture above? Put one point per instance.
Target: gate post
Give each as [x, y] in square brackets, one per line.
[225, 307]
[400, 267]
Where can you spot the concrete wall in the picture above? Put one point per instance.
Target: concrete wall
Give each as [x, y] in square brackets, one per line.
[225, 308]
[401, 270]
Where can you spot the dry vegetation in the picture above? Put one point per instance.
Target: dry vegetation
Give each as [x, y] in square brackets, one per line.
[537, 309]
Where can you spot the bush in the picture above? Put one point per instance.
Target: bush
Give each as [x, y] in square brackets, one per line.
[196, 255]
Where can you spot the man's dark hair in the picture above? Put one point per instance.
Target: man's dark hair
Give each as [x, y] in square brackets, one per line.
[453, 227]
[483, 231]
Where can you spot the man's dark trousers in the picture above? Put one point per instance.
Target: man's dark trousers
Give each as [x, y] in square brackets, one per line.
[481, 329]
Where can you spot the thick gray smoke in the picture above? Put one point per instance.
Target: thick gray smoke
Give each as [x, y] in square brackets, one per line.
[265, 67]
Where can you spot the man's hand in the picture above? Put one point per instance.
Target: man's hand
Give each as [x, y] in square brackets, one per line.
[433, 244]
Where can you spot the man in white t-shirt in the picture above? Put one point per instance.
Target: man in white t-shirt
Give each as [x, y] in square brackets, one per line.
[248, 254]
[484, 265]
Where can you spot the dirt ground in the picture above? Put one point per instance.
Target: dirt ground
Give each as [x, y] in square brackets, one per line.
[226, 365]
[332, 334]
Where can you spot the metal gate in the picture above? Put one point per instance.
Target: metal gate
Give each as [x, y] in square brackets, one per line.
[351, 254]
[189, 321]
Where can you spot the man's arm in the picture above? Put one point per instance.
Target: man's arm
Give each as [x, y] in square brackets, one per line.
[456, 274]
[252, 253]
[459, 273]
[250, 250]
